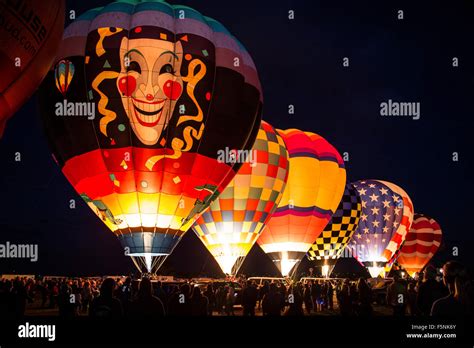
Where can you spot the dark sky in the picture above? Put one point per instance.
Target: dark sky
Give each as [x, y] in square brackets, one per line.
[300, 63]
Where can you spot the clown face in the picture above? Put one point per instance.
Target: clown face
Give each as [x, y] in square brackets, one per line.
[150, 84]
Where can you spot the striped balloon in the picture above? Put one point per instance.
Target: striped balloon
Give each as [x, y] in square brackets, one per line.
[405, 223]
[314, 189]
[420, 245]
[233, 222]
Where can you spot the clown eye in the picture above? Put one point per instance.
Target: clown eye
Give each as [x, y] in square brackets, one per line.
[166, 69]
[134, 66]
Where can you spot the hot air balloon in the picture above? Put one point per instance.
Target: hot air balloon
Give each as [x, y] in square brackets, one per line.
[405, 223]
[158, 91]
[314, 189]
[421, 243]
[29, 38]
[382, 211]
[63, 74]
[233, 222]
[331, 242]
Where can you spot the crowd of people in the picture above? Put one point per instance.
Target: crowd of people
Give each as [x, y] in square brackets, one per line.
[126, 298]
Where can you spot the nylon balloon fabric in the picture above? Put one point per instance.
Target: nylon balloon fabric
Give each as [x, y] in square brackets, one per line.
[421, 243]
[30, 32]
[382, 212]
[337, 233]
[233, 222]
[153, 93]
[405, 223]
[314, 189]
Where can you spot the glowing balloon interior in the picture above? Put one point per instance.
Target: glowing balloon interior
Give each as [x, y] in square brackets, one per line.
[330, 244]
[382, 211]
[233, 222]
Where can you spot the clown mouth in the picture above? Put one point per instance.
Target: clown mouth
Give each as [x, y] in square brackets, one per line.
[148, 114]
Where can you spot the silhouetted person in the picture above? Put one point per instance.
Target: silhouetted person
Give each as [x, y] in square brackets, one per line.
[86, 296]
[249, 299]
[145, 305]
[229, 300]
[126, 291]
[66, 301]
[344, 299]
[199, 303]
[397, 296]
[6, 299]
[295, 301]
[211, 298]
[263, 291]
[106, 305]
[272, 303]
[459, 302]
[412, 308]
[330, 295]
[160, 292]
[316, 291]
[53, 293]
[364, 298]
[221, 294]
[179, 303]
[429, 291]
[44, 293]
[307, 299]
[19, 297]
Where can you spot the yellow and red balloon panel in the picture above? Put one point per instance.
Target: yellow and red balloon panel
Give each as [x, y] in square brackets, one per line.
[314, 189]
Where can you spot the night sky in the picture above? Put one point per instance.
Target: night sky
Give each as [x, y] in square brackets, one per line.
[300, 63]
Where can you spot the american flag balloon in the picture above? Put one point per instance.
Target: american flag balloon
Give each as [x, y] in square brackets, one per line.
[405, 224]
[382, 212]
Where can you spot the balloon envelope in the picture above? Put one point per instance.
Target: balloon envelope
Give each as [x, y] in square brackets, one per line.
[382, 211]
[405, 222]
[233, 222]
[421, 243]
[137, 128]
[314, 189]
[330, 244]
[29, 37]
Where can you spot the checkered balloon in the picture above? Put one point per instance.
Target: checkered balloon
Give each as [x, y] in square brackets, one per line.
[340, 228]
[233, 222]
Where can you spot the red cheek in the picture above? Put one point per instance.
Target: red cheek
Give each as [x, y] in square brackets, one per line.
[127, 85]
[172, 89]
